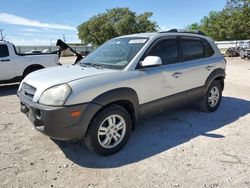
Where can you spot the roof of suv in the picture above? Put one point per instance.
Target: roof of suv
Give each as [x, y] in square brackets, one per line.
[173, 32]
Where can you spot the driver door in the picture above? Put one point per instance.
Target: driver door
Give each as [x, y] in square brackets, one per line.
[158, 83]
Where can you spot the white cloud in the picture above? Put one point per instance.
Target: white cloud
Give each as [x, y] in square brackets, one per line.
[17, 20]
[31, 30]
[19, 41]
[48, 36]
[34, 40]
[27, 34]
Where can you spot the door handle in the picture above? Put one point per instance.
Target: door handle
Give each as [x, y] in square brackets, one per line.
[4, 60]
[177, 74]
[209, 67]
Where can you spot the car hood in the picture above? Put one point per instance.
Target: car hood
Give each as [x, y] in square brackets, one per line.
[48, 77]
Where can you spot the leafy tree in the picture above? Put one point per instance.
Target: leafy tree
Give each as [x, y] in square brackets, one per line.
[237, 4]
[232, 23]
[115, 22]
[194, 26]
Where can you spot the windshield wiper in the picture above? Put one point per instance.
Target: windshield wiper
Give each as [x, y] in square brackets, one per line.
[92, 65]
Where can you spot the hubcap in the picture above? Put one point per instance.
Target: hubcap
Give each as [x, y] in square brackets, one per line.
[213, 97]
[111, 131]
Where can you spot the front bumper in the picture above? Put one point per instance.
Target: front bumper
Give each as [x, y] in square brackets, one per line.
[56, 122]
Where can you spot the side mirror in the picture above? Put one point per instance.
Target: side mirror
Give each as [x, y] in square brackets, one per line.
[151, 61]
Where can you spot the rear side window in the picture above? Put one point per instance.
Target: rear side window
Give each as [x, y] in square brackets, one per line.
[4, 52]
[209, 50]
[192, 49]
[167, 50]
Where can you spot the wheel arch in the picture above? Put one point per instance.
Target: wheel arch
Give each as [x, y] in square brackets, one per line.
[217, 74]
[30, 67]
[125, 97]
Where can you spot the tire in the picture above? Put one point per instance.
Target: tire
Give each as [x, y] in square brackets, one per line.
[102, 134]
[211, 101]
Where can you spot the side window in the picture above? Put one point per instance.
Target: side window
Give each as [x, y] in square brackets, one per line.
[191, 49]
[208, 48]
[166, 50]
[4, 52]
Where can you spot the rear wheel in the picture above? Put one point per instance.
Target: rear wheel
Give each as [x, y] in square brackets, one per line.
[109, 130]
[212, 98]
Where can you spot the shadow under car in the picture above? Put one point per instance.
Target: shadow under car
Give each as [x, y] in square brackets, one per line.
[160, 133]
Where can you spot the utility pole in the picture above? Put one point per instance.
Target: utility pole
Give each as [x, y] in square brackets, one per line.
[1, 34]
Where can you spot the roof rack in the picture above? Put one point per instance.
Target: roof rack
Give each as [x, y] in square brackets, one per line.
[183, 31]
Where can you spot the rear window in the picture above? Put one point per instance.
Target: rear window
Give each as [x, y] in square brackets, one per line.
[4, 52]
[209, 50]
[192, 49]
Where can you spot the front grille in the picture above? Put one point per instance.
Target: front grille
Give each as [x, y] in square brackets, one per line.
[28, 90]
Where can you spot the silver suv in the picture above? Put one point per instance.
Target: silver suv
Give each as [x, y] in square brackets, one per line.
[128, 78]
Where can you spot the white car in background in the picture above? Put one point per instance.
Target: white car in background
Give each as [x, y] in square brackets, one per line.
[14, 66]
[245, 52]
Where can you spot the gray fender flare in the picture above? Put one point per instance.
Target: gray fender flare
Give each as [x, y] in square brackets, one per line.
[106, 98]
[120, 94]
[217, 73]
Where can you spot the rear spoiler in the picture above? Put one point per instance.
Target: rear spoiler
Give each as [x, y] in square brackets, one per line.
[63, 46]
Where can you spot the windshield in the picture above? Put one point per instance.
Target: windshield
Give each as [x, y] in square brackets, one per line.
[115, 53]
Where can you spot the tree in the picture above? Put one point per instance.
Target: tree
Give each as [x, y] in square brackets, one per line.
[115, 22]
[237, 4]
[193, 26]
[232, 23]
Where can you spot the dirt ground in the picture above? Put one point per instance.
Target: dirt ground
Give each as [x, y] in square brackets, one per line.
[181, 148]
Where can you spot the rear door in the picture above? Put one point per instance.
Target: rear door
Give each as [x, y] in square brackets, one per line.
[7, 67]
[195, 65]
[186, 66]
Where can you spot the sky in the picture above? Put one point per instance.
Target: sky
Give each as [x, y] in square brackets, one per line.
[34, 22]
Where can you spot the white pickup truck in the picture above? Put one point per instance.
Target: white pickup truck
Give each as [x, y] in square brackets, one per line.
[14, 66]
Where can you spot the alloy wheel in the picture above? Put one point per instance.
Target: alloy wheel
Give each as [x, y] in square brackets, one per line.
[111, 131]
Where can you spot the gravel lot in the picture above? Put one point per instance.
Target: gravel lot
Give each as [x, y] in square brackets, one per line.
[181, 148]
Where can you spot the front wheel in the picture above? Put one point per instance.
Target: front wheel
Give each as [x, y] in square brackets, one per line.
[109, 130]
[212, 98]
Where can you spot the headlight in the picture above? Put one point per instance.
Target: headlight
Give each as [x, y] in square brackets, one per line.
[55, 96]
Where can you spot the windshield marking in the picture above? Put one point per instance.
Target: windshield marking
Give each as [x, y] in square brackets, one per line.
[137, 41]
